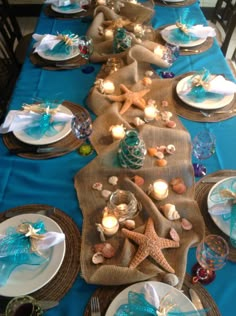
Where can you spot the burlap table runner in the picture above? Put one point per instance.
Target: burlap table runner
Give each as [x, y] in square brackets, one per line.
[115, 271]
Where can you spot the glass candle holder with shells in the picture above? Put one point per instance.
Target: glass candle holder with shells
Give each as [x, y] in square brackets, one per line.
[123, 204]
[113, 64]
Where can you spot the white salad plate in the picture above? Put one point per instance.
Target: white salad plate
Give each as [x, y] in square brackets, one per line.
[26, 279]
[214, 198]
[59, 57]
[192, 43]
[162, 289]
[62, 131]
[207, 104]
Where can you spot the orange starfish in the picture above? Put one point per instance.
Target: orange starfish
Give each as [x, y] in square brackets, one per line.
[150, 244]
[130, 97]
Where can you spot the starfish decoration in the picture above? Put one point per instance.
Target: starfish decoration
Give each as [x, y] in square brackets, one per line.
[115, 24]
[150, 244]
[130, 98]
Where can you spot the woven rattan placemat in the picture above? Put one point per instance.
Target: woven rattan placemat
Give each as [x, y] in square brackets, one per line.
[72, 63]
[107, 294]
[70, 142]
[195, 114]
[65, 277]
[186, 50]
[174, 4]
[53, 14]
[201, 192]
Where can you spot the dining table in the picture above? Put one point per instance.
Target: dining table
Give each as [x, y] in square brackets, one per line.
[26, 181]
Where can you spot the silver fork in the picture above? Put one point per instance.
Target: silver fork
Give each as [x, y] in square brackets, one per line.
[95, 306]
[217, 112]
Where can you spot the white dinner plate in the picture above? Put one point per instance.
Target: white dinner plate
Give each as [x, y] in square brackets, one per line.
[27, 279]
[66, 11]
[59, 57]
[161, 289]
[62, 131]
[214, 198]
[192, 43]
[174, 1]
[208, 104]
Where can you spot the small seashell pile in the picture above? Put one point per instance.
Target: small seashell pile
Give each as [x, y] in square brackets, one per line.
[159, 152]
[103, 251]
[178, 185]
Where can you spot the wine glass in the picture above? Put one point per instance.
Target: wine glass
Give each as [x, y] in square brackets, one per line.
[211, 255]
[170, 55]
[81, 125]
[86, 49]
[203, 147]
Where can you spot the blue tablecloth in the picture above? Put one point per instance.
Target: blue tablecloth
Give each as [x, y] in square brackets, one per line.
[25, 181]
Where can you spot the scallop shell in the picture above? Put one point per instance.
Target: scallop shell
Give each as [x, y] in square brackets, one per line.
[138, 121]
[106, 249]
[186, 224]
[97, 186]
[174, 235]
[129, 224]
[106, 194]
[113, 180]
[138, 180]
[161, 162]
[170, 211]
[98, 258]
[171, 279]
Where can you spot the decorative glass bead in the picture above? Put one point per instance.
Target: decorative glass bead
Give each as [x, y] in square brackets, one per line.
[132, 150]
[122, 40]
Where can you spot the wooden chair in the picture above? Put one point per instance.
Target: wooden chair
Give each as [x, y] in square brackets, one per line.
[232, 63]
[11, 32]
[224, 20]
[9, 71]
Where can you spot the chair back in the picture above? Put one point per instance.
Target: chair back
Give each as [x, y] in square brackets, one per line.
[225, 15]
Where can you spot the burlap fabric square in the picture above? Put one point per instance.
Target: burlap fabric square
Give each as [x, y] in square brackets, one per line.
[116, 271]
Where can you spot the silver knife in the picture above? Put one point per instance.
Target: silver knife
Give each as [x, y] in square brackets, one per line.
[196, 301]
[39, 150]
[213, 179]
[48, 212]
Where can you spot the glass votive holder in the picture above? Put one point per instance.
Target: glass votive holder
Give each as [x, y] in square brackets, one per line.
[23, 306]
[123, 204]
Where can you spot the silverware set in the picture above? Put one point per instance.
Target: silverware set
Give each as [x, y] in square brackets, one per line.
[95, 306]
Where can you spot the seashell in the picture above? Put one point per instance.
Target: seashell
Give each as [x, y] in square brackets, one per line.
[129, 224]
[151, 102]
[149, 73]
[174, 235]
[106, 194]
[113, 180]
[97, 186]
[161, 162]
[138, 180]
[159, 155]
[161, 148]
[186, 224]
[106, 249]
[175, 181]
[179, 188]
[170, 149]
[137, 121]
[166, 115]
[147, 81]
[98, 258]
[152, 151]
[170, 211]
[171, 279]
[164, 103]
[171, 124]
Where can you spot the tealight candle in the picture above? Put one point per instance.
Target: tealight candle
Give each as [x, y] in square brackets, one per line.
[158, 51]
[109, 34]
[110, 225]
[118, 132]
[108, 87]
[101, 2]
[160, 189]
[150, 112]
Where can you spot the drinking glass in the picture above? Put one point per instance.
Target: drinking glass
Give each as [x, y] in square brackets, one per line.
[203, 146]
[81, 125]
[23, 306]
[211, 254]
[85, 46]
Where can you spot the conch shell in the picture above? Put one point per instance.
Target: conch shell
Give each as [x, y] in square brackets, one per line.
[170, 211]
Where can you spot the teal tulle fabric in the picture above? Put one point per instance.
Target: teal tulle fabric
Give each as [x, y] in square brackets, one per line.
[138, 306]
[63, 48]
[198, 93]
[43, 124]
[15, 250]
